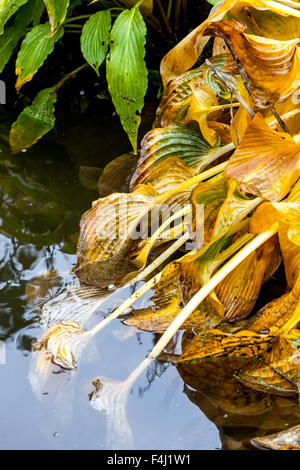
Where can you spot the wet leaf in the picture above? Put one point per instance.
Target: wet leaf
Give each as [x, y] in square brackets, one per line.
[267, 23]
[202, 100]
[94, 39]
[57, 12]
[7, 9]
[35, 48]
[266, 163]
[34, 121]
[126, 70]
[216, 344]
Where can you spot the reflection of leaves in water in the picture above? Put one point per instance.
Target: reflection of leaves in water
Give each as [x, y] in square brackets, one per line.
[41, 198]
[239, 412]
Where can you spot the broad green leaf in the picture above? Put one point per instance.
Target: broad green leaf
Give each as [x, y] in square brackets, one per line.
[12, 34]
[7, 9]
[126, 70]
[57, 12]
[95, 38]
[35, 48]
[34, 121]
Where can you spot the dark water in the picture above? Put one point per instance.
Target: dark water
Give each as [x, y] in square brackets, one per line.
[41, 199]
[43, 192]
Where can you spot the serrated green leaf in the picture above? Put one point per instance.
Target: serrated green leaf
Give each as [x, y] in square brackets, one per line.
[34, 121]
[95, 38]
[35, 48]
[57, 12]
[126, 70]
[12, 34]
[7, 9]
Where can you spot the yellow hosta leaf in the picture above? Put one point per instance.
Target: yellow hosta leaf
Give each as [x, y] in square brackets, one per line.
[203, 99]
[269, 67]
[215, 344]
[186, 53]
[277, 372]
[266, 163]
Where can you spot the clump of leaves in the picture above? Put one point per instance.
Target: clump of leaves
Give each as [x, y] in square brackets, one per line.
[250, 205]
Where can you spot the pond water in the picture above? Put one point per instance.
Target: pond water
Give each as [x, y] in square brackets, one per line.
[43, 192]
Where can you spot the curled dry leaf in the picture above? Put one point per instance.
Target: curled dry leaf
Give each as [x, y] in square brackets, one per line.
[269, 67]
[266, 163]
[186, 53]
[107, 233]
[193, 97]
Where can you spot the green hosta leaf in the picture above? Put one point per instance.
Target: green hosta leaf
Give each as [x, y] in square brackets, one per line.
[57, 12]
[126, 70]
[95, 38]
[34, 121]
[35, 48]
[7, 9]
[12, 34]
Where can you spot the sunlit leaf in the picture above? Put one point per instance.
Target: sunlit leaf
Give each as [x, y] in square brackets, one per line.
[182, 142]
[186, 53]
[215, 344]
[34, 121]
[35, 48]
[176, 98]
[266, 163]
[202, 100]
[7, 9]
[57, 12]
[126, 70]
[94, 39]
[268, 67]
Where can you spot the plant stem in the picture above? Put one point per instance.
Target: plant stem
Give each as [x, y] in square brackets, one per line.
[75, 18]
[164, 17]
[195, 179]
[199, 297]
[231, 88]
[145, 287]
[70, 75]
